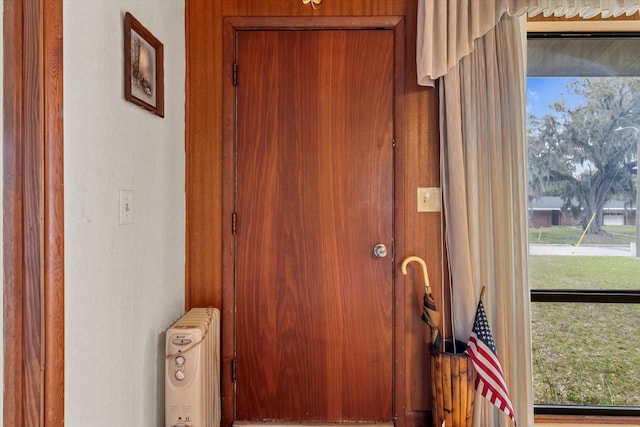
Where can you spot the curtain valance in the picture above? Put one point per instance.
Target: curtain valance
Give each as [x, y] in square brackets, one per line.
[448, 28]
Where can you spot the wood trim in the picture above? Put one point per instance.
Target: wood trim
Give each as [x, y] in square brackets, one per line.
[583, 26]
[230, 26]
[400, 120]
[32, 214]
[541, 24]
[53, 310]
[325, 23]
[228, 180]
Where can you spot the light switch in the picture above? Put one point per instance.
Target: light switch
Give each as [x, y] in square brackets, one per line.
[125, 207]
[429, 199]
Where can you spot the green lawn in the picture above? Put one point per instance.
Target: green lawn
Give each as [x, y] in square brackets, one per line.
[584, 272]
[619, 234]
[586, 353]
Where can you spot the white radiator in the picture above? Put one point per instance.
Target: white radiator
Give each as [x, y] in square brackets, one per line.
[192, 369]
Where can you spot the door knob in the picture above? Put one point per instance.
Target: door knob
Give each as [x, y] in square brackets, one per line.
[380, 250]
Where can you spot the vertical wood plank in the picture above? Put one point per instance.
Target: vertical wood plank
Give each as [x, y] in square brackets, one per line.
[456, 392]
[447, 390]
[464, 391]
[433, 389]
[32, 205]
[203, 153]
[12, 214]
[32, 210]
[53, 210]
[439, 401]
[471, 391]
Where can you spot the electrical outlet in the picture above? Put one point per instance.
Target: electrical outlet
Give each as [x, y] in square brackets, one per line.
[125, 207]
[429, 199]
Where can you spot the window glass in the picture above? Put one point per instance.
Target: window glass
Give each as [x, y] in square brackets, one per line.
[584, 354]
[583, 128]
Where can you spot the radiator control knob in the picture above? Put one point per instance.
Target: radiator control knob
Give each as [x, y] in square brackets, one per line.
[180, 375]
[180, 360]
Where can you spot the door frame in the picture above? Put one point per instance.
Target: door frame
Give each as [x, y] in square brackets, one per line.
[33, 205]
[230, 26]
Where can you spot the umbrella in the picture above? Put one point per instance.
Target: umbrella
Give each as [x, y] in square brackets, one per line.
[430, 314]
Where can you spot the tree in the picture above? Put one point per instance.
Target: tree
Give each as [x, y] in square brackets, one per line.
[576, 153]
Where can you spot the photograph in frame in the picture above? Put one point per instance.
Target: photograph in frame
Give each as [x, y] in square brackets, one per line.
[143, 67]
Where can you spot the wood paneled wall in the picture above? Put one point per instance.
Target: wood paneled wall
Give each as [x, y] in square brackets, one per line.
[422, 231]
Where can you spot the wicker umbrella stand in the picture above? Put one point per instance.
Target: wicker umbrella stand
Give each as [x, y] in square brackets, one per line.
[452, 386]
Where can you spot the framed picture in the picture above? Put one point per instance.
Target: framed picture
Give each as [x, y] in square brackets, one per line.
[143, 62]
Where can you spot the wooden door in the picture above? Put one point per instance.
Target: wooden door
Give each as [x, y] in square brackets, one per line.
[314, 195]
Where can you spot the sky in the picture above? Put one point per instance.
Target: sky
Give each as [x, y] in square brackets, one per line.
[544, 91]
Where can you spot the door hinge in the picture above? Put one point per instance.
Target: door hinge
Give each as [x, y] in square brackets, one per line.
[235, 74]
[393, 142]
[233, 370]
[234, 223]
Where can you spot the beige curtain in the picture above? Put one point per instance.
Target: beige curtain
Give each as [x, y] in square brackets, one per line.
[483, 178]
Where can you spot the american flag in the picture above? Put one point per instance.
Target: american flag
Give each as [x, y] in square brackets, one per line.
[490, 381]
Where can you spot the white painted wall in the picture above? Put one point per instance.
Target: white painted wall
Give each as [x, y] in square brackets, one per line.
[124, 284]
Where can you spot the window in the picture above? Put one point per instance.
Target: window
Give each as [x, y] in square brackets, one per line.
[583, 126]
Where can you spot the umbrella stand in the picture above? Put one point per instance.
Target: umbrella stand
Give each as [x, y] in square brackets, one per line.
[452, 386]
[452, 374]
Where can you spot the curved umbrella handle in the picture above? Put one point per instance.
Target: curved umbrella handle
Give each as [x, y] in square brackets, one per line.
[427, 286]
[430, 313]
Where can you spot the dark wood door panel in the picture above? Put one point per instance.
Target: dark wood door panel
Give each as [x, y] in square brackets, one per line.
[314, 195]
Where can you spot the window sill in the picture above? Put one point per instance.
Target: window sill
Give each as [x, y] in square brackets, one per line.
[579, 420]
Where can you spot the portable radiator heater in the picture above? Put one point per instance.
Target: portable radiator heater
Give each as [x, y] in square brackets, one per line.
[192, 370]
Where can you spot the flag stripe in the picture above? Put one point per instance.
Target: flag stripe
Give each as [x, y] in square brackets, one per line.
[490, 377]
[488, 364]
[483, 350]
[494, 395]
[490, 382]
[493, 384]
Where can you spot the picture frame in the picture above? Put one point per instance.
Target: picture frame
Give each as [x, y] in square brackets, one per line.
[143, 67]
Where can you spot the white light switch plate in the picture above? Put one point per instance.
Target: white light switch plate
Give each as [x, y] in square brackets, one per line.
[125, 207]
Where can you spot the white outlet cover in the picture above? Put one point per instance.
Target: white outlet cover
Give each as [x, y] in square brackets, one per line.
[125, 207]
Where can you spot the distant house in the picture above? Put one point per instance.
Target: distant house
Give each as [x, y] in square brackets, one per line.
[548, 212]
[615, 213]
